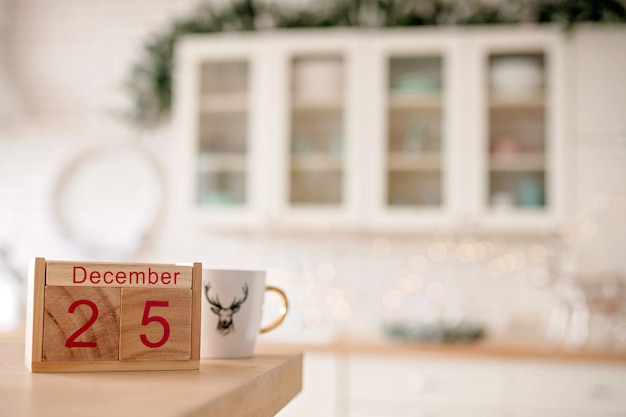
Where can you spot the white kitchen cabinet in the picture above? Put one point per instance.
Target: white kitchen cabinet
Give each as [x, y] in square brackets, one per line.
[388, 409]
[415, 387]
[320, 140]
[321, 388]
[221, 119]
[581, 389]
[414, 108]
[470, 382]
[467, 128]
[410, 130]
[517, 119]
[386, 385]
[270, 129]
[560, 413]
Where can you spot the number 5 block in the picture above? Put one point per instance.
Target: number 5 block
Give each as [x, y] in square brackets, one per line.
[95, 316]
[156, 324]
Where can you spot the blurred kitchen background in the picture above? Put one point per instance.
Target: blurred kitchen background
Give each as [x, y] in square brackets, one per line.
[429, 171]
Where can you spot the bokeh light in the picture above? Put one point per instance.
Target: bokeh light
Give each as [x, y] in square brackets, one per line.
[381, 246]
[392, 299]
[326, 272]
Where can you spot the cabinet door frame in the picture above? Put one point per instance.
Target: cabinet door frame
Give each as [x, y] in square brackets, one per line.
[299, 43]
[549, 41]
[191, 52]
[384, 45]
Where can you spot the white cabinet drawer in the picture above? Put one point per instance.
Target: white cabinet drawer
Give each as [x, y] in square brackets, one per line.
[426, 381]
[320, 389]
[533, 412]
[377, 409]
[570, 386]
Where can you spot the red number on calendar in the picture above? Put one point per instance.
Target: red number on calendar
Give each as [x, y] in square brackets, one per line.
[147, 319]
[71, 341]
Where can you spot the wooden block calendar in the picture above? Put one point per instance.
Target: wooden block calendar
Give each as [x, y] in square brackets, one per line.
[94, 316]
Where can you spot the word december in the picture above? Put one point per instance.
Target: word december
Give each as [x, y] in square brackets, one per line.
[149, 277]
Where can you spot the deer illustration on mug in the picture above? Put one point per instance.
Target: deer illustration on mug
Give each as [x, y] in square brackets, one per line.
[225, 314]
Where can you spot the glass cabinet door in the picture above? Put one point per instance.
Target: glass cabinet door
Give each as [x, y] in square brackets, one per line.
[412, 111]
[519, 90]
[222, 145]
[516, 139]
[317, 134]
[415, 130]
[320, 126]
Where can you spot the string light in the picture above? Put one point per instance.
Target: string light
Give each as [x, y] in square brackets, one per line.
[493, 268]
[490, 249]
[437, 252]
[587, 227]
[480, 251]
[435, 291]
[326, 272]
[312, 318]
[413, 284]
[341, 310]
[334, 296]
[537, 254]
[466, 250]
[419, 264]
[392, 299]
[381, 246]
[278, 274]
[520, 259]
[507, 263]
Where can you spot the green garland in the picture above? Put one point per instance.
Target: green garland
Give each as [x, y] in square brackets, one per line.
[150, 80]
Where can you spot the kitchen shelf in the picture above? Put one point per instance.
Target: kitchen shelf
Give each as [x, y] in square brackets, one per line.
[405, 101]
[417, 161]
[224, 103]
[499, 102]
[522, 162]
[306, 104]
[316, 162]
[521, 182]
[221, 162]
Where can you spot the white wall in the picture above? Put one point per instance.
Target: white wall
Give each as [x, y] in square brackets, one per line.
[69, 58]
[599, 138]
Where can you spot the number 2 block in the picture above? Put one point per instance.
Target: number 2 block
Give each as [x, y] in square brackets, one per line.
[81, 324]
[155, 324]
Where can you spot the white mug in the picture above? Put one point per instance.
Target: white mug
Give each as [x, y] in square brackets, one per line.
[232, 303]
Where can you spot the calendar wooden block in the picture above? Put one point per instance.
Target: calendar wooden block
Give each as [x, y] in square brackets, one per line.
[81, 324]
[90, 316]
[161, 318]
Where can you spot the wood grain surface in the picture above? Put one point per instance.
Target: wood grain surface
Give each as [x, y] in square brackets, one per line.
[65, 273]
[255, 387]
[156, 324]
[99, 341]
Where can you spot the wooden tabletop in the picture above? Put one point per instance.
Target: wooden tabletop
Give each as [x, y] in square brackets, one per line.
[255, 387]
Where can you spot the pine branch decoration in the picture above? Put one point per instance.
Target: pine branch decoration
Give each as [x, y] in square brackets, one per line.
[150, 79]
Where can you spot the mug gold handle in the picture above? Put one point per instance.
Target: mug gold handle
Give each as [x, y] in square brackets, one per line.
[283, 309]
